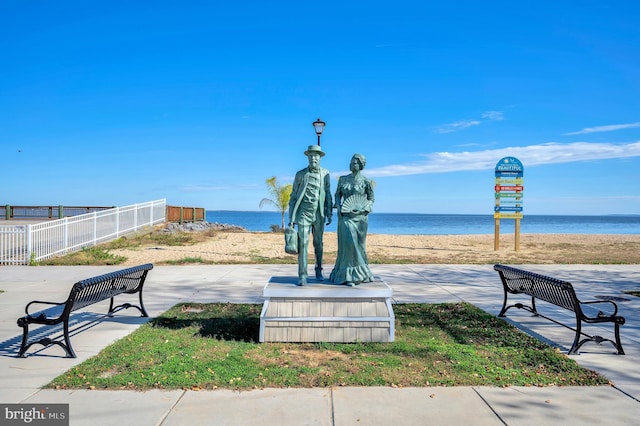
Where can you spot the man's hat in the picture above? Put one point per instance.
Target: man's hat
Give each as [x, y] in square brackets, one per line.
[314, 149]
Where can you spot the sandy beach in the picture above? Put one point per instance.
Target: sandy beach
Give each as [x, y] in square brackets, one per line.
[266, 247]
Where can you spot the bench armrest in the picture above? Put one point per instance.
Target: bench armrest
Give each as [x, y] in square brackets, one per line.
[600, 302]
[40, 302]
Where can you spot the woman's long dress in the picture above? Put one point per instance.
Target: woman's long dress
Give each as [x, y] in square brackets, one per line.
[351, 263]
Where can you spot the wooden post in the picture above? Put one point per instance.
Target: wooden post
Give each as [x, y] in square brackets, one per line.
[496, 235]
[517, 234]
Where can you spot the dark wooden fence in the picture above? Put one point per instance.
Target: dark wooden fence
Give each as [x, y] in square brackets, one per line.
[185, 214]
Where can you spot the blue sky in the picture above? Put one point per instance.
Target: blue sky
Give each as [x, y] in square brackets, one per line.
[115, 103]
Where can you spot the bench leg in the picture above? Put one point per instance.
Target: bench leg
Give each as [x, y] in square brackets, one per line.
[577, 343]
[113, 309]
[25, 338]
[67, 340]
[24, 347]
[618, 342]
[576, 340]
[504, 306]
[142, 309]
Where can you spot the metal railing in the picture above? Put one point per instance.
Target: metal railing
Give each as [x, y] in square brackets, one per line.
[46, 212]
[25, 244]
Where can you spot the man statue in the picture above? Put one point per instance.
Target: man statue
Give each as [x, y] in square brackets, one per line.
[309, 205]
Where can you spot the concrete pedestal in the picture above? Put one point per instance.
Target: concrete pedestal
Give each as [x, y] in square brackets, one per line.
[325, 312]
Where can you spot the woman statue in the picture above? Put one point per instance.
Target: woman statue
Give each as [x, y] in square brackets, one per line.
[354, 200]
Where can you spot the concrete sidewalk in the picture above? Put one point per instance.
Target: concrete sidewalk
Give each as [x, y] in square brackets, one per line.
[478, 284]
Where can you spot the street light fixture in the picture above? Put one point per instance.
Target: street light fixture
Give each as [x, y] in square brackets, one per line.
[319, 126]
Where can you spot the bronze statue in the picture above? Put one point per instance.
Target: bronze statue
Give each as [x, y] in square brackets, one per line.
[354, 201]
[310, 204]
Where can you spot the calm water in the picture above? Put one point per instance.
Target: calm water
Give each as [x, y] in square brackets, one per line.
[450, 224]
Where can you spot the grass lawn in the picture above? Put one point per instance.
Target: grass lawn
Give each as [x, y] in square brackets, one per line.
[209, 346]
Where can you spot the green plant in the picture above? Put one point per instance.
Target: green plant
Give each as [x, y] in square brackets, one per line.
[276, 228]
[159, 238]
[118, 243]
[87, 256]
[281, 196]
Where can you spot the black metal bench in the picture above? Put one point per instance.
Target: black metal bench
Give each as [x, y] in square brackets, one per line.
[84, 293]
[560, 293]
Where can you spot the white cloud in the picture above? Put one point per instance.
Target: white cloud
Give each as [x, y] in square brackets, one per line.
[458, 125]
[493, 115]
[463, 124]
[609, 128]
[548, 153]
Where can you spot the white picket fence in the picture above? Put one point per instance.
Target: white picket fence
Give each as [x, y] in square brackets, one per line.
[24, 244]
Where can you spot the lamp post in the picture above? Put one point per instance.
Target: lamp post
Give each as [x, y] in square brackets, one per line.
[319, 126]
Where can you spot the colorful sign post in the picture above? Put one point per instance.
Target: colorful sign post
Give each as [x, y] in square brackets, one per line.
[509, 188]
